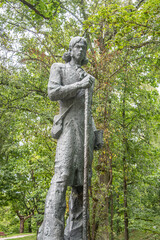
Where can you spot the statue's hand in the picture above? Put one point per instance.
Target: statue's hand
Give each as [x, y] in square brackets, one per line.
[86, 82]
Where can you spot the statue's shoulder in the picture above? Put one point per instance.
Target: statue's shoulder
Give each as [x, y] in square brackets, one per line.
[58, 66]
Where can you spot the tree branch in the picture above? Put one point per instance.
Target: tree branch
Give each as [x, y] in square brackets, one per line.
[17, 25]
[139, 3]
[33, 8]
[71, 14]
[25, 218]
[144, 44]
[32, 111]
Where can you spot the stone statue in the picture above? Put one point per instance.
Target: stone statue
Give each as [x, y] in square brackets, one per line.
[67, 84]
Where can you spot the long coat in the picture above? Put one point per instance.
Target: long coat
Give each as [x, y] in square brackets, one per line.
[69, 161]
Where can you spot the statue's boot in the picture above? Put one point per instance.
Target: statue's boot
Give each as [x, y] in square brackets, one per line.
[51, 230]
[52, 227]
[74, 227]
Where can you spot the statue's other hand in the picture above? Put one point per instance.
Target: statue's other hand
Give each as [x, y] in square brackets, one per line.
[86, 82]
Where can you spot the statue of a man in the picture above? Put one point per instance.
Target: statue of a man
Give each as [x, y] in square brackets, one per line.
[67, 84]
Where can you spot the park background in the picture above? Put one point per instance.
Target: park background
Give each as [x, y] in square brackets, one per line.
[124, 56]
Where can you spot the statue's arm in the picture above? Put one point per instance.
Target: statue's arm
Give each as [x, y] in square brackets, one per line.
[56, 91]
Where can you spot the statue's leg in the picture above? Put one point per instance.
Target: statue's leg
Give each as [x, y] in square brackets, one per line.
[74, 227]
[53, 225]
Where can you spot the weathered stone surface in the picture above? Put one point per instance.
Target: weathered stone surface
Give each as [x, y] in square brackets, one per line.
[67, 85]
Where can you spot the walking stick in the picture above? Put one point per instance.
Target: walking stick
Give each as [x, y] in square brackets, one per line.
[86, 153]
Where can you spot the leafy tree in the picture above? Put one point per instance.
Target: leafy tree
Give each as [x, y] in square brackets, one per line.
[123, 54]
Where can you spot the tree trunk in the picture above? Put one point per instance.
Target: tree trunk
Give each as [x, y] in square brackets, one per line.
[94, 223]
[21, 230]
[126, 234]
[118, 230]
[105, 180]
[107, 219]
[22, 221]
[30, 225]
[112, 213]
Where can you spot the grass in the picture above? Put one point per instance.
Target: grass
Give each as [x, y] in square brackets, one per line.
[134, 235]
[141, 235]
[18, 234]
[24, 238]
[32, 237]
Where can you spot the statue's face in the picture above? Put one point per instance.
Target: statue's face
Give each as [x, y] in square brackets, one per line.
[79, 51]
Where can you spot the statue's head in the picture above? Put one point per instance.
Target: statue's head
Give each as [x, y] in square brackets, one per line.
[76, 41]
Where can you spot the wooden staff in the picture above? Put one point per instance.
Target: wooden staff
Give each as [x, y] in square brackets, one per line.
[86, 154]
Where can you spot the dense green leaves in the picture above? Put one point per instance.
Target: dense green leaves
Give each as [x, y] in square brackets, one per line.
[123, 54]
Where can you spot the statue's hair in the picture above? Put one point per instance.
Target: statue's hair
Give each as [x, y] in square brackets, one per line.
[67, 56]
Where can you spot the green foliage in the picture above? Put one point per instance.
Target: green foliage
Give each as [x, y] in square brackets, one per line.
[123, 56]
